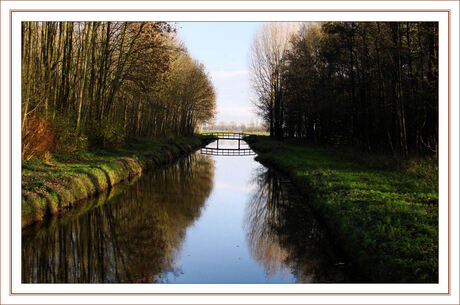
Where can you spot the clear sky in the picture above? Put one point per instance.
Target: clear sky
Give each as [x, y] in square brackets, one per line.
[223, 47]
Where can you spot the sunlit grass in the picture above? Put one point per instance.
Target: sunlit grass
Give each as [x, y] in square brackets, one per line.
[53, 184]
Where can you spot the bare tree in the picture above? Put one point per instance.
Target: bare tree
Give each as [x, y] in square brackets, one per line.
[266, 59]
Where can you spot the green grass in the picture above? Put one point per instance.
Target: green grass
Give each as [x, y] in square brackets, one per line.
[384, 216]
[258, 133]
[50, 185]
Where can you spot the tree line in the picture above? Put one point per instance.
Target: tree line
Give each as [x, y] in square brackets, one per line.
[234, 126]
[371, 85]
[100, 83]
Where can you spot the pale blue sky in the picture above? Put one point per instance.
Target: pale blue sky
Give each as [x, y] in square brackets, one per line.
[223, 47]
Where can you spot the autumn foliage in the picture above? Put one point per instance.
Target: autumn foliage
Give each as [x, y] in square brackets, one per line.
[100, 83]
[38, 139]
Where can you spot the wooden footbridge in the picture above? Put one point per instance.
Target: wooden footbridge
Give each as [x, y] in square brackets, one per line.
[235, 136]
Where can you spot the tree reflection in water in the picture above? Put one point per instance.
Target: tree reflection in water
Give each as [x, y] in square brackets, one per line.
[284, 235]
[133, 238]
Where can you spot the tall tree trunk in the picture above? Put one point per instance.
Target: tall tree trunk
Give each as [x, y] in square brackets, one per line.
[399, 92]
[85, 51]
[26, 76]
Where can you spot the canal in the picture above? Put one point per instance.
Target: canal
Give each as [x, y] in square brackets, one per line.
[205, 219]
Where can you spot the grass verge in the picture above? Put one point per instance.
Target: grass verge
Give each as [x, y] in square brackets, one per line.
[386, 220]
[50, 186]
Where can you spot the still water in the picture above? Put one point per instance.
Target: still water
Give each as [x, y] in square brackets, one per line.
[205, 219]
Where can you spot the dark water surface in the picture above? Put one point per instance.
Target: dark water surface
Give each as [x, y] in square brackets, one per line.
[205, 219]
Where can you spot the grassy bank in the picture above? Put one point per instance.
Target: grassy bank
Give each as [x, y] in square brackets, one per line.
[50, 186]
[384, 217]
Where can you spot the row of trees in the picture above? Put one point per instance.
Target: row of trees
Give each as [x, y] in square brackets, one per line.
[372, 85]
[103, 82]
[234, 126]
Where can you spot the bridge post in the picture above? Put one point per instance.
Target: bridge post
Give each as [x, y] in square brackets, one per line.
[218, 142]
[239, 141]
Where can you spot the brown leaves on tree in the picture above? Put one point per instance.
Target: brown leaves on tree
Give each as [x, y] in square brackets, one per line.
[38, 140]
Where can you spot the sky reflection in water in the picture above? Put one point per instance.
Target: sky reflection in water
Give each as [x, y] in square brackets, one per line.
[206, 219]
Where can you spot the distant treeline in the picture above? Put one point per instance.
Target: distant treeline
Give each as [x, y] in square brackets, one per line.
[233, 126]
[99, 83]
[372, 85]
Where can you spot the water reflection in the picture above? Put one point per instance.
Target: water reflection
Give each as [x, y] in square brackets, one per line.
[284, 235]
[133, 237]
[206, 219]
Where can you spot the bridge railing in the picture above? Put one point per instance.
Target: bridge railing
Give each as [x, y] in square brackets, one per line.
[226, 134]
[227, 151]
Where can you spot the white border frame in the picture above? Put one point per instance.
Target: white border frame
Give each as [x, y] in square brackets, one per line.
[18, 287]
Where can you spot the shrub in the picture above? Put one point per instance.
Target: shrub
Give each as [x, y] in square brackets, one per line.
[38, 138]
[109, 135]
[68, 141]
